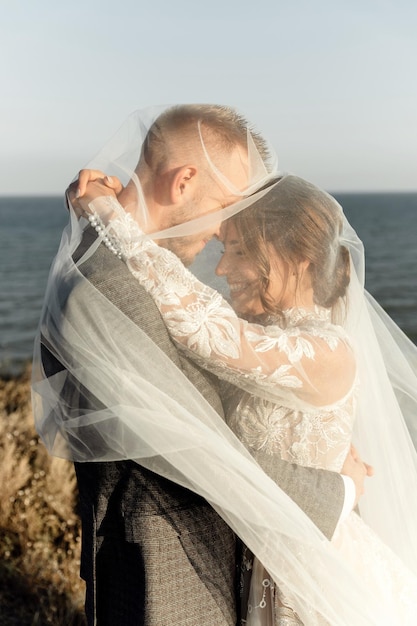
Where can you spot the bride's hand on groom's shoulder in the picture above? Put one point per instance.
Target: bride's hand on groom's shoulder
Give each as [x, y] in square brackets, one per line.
[89, 185]
[85, 177]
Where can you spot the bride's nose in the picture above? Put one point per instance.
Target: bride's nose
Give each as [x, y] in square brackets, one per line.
[222, 266]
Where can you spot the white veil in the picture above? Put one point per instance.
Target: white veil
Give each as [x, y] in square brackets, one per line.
[137, 386]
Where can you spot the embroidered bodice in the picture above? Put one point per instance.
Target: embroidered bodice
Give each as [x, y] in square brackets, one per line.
[295, 381]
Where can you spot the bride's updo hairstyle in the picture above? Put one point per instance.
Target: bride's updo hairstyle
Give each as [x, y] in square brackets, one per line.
[302, 223]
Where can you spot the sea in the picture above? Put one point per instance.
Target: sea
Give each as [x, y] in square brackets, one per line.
[31, 227]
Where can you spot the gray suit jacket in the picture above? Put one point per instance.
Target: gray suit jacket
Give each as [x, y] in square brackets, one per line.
[155, 554]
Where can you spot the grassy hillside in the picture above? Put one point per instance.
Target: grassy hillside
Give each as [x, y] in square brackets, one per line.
[39, 526]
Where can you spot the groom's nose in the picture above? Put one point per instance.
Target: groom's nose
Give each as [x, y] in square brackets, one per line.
[216, 229]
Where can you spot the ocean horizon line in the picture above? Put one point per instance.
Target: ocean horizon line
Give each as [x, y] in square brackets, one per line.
[37, 195]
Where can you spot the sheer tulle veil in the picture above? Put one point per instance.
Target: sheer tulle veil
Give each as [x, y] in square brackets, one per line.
[151, 413]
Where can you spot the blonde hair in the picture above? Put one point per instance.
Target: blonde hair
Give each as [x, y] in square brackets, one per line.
[176, 130]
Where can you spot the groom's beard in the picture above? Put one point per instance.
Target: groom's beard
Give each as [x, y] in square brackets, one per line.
[187, 248]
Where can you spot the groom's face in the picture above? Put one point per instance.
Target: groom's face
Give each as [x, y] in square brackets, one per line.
[209, 197]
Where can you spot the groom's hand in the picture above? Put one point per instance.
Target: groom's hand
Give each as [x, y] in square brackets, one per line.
[357, 470]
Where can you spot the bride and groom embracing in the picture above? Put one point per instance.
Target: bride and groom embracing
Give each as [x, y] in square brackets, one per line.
[213, 452]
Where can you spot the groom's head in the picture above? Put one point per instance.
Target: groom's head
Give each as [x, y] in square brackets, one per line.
[193, 161]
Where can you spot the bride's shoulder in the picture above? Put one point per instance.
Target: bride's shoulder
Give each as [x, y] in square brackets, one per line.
[332, 370]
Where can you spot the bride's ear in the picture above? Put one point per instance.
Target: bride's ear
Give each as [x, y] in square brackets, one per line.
[183, 183]
[302, 268]
[304, 275]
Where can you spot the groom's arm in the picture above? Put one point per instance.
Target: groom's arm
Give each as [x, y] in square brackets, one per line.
[321, 494]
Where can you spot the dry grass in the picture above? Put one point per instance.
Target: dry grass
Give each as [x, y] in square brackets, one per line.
[39, 526]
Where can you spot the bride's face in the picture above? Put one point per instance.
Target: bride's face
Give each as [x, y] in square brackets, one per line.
[243, 277]
[240, 273]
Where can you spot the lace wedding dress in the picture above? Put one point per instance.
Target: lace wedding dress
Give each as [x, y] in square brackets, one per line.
[294, 396]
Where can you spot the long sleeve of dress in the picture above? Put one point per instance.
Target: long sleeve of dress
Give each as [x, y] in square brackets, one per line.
[310, 361]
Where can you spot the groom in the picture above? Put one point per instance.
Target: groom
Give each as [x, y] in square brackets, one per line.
[154, 553]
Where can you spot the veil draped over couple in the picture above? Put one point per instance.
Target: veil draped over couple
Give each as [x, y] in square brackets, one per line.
[302, 358]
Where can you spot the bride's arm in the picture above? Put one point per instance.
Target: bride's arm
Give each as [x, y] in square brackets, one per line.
[311, 364]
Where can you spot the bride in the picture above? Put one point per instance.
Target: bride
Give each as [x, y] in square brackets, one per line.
[295, 366]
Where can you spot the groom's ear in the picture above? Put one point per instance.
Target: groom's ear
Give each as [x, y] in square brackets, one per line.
[183, 183]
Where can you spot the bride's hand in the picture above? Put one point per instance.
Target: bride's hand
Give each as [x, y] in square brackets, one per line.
[87, 176]
[96, 191]
[89, 185]
[78, 191]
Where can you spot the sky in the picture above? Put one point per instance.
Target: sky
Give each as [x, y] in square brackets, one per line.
[331, 83]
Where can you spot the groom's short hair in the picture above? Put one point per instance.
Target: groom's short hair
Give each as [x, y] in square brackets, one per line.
[177, 131]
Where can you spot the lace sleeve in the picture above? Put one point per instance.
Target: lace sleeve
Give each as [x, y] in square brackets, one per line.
[313, 363]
